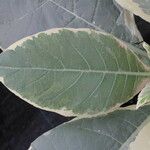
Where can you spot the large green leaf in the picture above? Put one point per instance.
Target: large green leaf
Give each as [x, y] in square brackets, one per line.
[21, 18]
[138, 7]
[109, 132]
[73, 72]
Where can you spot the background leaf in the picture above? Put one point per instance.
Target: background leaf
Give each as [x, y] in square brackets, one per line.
[112, 131]
[20, 18]
[142, 140]
[73, 72]
[147, 48]
[144, 96]
[138, 7]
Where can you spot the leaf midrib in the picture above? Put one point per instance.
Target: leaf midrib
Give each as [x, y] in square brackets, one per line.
[79, 70]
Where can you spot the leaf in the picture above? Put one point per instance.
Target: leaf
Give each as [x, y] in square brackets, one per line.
[147, 48]
[138, 7]
[113, 131]
[142, 140]
[73, 72]
[21, 18]
[144, 96]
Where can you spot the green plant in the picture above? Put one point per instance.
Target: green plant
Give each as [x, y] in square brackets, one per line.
[83, 73]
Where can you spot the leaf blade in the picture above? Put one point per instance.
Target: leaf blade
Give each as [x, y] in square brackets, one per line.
[138, 7]
[59, 72]
[144, 96]
[112, 131]
[31, 17]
